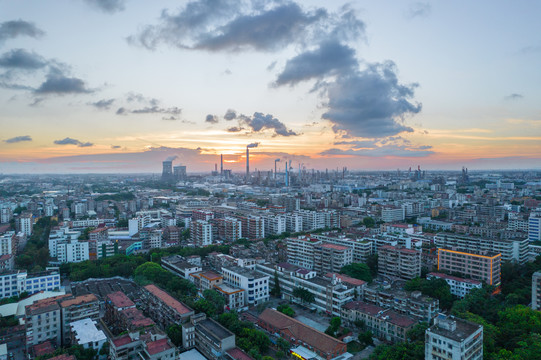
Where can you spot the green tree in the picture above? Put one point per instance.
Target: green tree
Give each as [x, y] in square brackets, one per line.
[418, 332]
[276, 291]
[366, 338]
[286, 309]
[216, 299]
[358, 271]
[304, 295]
[369, 222]
[174, 332]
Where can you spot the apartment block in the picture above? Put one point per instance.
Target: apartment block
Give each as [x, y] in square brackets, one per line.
[513, 250]
[534, 227]
[179, 266]
[331, 257]
[485, 266]
[208, 336]
[453, 338]
[163, 308]
[228, 228]
[206, 280]
[15, 282]
[8, 243]
[201, 233]
[385, 324]
[536, 291]
[362, 248]
[253, 227]
[459, 286]
[393, 214]
[300, 251]
[85, 333]
[255, 284]
[43, 322]
[415, 304]
[330, 293]
[75, 309]
[234, 296]
[399, 263]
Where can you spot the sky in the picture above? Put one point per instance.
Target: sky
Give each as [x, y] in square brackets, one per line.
[118, 86]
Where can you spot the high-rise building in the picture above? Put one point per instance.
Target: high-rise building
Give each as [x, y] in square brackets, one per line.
[453, 338]
[534, 227]
[201, 233]
[179, 173]
[396, 262]
[167, 172]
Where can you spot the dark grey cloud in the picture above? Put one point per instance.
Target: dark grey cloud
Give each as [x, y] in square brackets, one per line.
[59, 84]
[104, 104]
[514, 96]
[122, 111]
[107, 6]
[330, 58]
[370, 103]
[359, 144]
[390, 150]
[234, 129]
[16, 28]
[140, 98]
[236, 25]
[212, 119]
[170, 118]
[266, 31]
[70, 141]
[18, 139]
[157, 110]
[22, 59]
[419, 9]
[260, 122]
[115, 146]
[230, 115]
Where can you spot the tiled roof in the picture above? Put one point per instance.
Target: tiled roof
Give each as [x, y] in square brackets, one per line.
[158, 346]
[83, 299]
[168, 299]
[300, 331]
[120, 300]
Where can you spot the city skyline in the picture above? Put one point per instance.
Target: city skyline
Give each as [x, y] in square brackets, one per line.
[119, 86]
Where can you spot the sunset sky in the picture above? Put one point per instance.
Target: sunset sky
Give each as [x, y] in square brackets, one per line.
[119, 85]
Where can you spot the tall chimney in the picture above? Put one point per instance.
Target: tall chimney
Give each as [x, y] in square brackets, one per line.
[247, 162]
[221, 164]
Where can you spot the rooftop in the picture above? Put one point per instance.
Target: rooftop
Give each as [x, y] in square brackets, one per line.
[158, 346]
[347, 279]
[120, 300]
[213, 329]
[121, 341]
[334, 247]
[462, 331]
[83, 299]
[300, 331]
[168, 299]
[87, 332]
[455, 278]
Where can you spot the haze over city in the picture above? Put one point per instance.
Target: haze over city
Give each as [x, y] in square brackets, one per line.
[119, 86]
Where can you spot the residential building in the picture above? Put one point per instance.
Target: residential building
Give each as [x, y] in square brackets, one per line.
[293, 223]
[161, 349]
[255, 285]
[330, 294]
[385, 324]
[453, 338]
[206, 280]
[300, 251]
[8, 243]
[362, 248]
[253, 227]
[234, 296]
[275, 224]
[415, 304]
[536, 290]
[73, 251]
[514, 250]
[179, 266]
[399, 263]
[228, 228]
[331, 257]
[43, 322]
[459, 286]
[201, 233]
[163, 308]
[85, 333]
[534, 227]
[208, 336]
[393, 214]
[298, 333]
[15, 282]
[24, 223]
[78, 308]
[485, 266]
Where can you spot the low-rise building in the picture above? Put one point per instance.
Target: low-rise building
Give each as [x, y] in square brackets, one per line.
[234, 296]
[386, 324]
[15, 282]
[43, 322]
[180, 266]
[85, 333]
[459, 286]
[84, 307]
[453, 338]
[536, 290]
[298, 333]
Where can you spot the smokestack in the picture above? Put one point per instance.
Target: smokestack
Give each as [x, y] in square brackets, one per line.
[221, 164]
[252, 145]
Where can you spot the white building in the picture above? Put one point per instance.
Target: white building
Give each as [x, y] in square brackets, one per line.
[24, 224]
[312, 220]
[62, 235]
[13, 283]
[453, 338]
[392, 215]
[459, 287]
[8, 243]
[85, 333]
[275, 224]
[536, 290]
[255, 284]
[72, 251]
[293, 223]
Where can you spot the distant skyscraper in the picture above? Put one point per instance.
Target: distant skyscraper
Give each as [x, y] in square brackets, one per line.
[180, 173]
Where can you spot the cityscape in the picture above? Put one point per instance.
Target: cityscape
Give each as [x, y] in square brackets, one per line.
[261, 179]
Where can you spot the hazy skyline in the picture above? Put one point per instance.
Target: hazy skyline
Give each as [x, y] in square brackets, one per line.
[118, 86]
